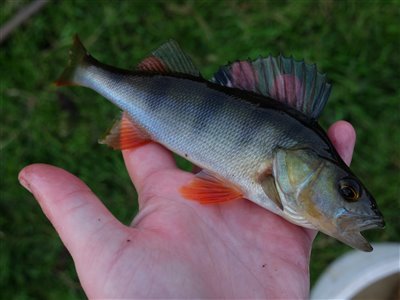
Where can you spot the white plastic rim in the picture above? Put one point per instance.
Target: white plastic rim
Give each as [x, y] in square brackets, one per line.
[356, 270]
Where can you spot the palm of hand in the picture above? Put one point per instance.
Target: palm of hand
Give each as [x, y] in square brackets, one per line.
[182, 249]
[174, 248]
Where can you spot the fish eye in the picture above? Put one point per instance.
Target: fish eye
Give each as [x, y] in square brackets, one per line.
[349, 189]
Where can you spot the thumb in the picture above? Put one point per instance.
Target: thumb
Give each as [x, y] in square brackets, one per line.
[82, 221]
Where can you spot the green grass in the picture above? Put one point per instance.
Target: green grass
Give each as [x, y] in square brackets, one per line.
[356, 43]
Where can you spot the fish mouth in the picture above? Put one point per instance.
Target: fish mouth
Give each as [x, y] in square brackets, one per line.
[351, 230]
[351, 222]
[372, 223]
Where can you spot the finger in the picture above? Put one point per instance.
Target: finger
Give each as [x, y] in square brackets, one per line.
[75, 212]
[343, 137]
[145, 161]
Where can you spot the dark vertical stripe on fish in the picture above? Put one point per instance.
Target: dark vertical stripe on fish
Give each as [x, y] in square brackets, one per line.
[209, 111]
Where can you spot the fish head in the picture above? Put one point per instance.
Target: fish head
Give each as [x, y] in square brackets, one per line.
[326, 196]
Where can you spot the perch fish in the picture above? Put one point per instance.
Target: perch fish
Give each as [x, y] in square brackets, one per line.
[252, 128]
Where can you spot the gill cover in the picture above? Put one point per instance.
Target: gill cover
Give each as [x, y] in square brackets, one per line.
[309, 187]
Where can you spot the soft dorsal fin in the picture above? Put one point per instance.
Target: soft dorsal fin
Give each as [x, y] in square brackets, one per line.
[169, 58]
[292, 82]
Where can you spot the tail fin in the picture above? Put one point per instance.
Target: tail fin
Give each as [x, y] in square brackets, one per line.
[77, 57]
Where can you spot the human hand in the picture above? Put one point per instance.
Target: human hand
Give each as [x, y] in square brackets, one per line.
[176, 248]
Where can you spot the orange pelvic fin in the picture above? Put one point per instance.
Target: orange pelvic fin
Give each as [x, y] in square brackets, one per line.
[125, 134]
[208, 189]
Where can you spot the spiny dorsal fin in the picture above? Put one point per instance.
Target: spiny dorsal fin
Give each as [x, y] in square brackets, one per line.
[292, 82]
[169, 58]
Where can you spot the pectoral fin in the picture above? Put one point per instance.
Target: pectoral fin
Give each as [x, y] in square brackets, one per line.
[269, 188]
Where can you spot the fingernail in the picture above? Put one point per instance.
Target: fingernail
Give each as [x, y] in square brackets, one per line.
[24, 182]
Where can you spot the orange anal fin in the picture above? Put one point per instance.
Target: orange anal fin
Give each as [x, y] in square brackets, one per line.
[208, 189]
[125, 134]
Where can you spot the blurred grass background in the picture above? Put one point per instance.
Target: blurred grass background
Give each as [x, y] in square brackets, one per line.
[356, 43]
